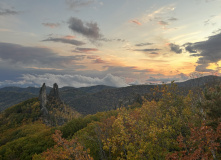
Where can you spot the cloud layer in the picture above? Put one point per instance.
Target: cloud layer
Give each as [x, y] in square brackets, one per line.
[65, 40]
[35, 56]
[66, 80]
[5, 12]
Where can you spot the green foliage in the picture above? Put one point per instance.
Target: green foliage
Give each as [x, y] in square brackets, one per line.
[24, 141]
[25, 112]
[77, 124]
[147, 132]
[172, 127]
[211, 105]
[59, 113]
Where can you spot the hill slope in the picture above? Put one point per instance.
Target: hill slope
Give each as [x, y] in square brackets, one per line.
[89, 100]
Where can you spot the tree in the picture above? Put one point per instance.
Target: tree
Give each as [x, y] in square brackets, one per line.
[203, 143]
[65, 149]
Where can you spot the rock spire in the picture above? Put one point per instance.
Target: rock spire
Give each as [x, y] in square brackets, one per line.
[54, 93]
[43, 99]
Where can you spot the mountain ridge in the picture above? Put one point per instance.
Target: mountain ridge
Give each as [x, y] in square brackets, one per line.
[89, 100]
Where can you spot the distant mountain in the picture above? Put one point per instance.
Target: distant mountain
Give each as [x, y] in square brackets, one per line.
[13, 95]
[8, 98]
[32, 90]
[107, 99]
[89, 100]
[201, 81]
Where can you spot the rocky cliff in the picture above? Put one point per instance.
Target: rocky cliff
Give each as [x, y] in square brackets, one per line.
[54, 93]
[54, 111]
[43, 99]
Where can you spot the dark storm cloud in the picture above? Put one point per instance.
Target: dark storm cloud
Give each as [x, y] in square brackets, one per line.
[208, 50]
[76, 4]
[35, 57]
[51, 25]
[5, 12]
[147, 50]
[65, 40]
[175, 48]
[87, 29]
[143, 44]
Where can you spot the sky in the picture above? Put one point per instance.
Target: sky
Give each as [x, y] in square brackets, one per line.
[117, 43]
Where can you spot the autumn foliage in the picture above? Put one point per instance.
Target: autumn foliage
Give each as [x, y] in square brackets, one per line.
[171, 126]
[65, 149]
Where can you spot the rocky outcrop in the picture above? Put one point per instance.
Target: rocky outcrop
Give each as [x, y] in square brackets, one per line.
[54, 93]
[53, 109]
[43, 99]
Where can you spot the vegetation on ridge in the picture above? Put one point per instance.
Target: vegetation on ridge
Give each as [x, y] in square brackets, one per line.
[176, 126]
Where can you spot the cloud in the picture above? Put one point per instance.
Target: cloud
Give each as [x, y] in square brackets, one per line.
[147, 50]
[66, 80]
[163, 23]
[35, 57]
[137, 82]
[136, 22]
[69, 37]
[155, 53]
[143, 44]
[130, 71]
[210, 21]
[113, 39]
[161, 79]
[99, 60]
[175, 48]
[158, 13]
[208, 50]
[172, 19]
[65, 40]
[189, 48]
[51, 25]
[83, 50]
[88, 29]
[76, 4]
[6, 12]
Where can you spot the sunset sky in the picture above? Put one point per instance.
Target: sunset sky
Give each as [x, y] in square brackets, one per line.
[108, 42]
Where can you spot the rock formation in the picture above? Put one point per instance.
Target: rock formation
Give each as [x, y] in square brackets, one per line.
[52, 108]
[43, 99]
[54, 93]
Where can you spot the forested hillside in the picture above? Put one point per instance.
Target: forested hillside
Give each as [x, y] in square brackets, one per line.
[176, 126]
[90, 100]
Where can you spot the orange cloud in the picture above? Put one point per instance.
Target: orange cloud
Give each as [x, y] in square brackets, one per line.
[69, 37]
[99, 60]
[136, 22]
[51, 25]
